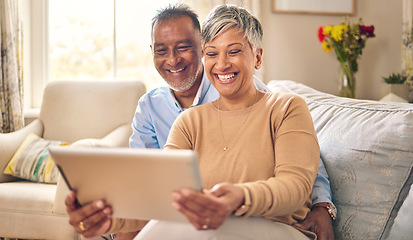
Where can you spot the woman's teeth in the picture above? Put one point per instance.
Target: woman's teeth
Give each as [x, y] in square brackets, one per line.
[226, 77]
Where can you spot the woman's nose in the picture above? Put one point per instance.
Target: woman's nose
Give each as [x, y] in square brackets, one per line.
[222, 63]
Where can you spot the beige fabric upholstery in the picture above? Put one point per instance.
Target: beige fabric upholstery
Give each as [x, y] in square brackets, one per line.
[87, 113]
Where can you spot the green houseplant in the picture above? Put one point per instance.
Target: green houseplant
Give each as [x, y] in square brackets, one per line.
[395, 78]
[398, 88]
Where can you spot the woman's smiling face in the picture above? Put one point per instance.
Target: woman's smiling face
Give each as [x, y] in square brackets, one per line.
[230, 63]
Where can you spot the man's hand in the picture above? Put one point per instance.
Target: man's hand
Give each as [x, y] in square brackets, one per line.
[318, 221]
[91, 220]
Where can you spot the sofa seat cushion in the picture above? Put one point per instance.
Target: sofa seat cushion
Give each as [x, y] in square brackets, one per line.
[26, 211]
[27, 197]
[367, 149]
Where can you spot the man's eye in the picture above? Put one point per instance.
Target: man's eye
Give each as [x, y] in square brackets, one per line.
[160, 51]
[183, 48]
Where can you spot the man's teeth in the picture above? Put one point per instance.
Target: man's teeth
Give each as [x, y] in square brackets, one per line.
[226, 77]
[175, 71]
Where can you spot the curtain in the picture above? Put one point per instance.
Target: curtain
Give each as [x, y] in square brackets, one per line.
[202, 8]
[407, 46]
[11, 71]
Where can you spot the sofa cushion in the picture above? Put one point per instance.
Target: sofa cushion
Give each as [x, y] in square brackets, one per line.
[26, 210]
[367, 149]
[402, 227]
[32, 160]
[27, 197]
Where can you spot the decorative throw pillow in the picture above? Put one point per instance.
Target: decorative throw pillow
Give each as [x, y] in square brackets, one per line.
[33, 162]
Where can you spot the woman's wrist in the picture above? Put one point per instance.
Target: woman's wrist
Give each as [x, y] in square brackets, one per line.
[246, 202]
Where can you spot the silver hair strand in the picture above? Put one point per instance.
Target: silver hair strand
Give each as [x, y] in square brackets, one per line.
[226, 16]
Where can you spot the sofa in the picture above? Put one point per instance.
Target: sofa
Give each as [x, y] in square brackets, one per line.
[85, 113]
[367, 149]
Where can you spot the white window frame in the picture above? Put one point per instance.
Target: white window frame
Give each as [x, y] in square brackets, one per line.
[35, 59]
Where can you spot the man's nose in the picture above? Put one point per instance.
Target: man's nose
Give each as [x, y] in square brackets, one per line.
[174, 58]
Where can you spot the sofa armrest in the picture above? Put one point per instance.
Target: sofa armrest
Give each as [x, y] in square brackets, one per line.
[10, 142]
[62, 190]
[117, 138]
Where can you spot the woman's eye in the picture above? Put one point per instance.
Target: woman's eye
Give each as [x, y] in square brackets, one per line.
[210, 54]
[233, 52]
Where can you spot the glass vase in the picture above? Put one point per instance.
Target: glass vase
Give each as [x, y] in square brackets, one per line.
[347, 81]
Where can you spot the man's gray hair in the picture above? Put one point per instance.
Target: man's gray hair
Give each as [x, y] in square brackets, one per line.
[175, 11]
[226, 16]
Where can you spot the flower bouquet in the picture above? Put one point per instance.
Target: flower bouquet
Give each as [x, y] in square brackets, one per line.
[348, 40]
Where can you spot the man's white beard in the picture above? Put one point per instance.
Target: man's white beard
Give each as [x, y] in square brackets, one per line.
[185, 85]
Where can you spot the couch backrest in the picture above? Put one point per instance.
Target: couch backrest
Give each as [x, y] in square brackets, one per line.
[73, 110]
[367, 149]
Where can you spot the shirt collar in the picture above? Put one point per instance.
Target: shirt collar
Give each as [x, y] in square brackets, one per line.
[202, 90]
[200, 94]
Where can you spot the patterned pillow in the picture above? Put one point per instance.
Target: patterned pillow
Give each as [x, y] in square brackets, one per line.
[32, 160]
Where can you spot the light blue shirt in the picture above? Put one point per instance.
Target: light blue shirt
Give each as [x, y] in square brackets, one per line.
[321, 188]
[158, 109]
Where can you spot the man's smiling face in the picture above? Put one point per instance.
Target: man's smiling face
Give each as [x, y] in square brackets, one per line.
[177, 54]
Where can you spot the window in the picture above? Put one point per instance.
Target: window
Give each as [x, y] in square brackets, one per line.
[93, 39]
[102, 39]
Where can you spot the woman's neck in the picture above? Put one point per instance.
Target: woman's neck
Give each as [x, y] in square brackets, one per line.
[245, 101]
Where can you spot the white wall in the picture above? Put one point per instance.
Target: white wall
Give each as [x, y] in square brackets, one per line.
[292, 50]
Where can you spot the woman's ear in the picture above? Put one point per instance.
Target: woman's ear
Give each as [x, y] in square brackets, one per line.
[258, 58]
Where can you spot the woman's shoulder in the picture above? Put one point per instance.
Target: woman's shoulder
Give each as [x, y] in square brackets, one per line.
[196, 112]
[206, 107]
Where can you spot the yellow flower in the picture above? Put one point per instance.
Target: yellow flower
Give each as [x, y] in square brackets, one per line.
[338, 31]
[326, 46]
[346, 39]
[327, 30]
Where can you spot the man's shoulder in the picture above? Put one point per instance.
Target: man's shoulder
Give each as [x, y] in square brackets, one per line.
[260, 85]
[158, 91]
[157, 94]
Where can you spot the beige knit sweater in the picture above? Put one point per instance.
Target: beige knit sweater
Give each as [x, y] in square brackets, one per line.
[271, 146]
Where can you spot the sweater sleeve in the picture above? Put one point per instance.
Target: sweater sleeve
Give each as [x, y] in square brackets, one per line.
[296, 163]
[125, 225]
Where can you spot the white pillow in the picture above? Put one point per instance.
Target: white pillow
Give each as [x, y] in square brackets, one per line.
[402, 228]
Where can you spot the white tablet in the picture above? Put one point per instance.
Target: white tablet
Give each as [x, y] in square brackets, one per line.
[137, 183]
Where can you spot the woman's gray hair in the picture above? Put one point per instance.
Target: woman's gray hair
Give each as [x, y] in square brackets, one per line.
[226, 16]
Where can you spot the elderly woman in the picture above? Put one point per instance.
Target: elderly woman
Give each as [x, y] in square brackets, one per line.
[258, 152]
